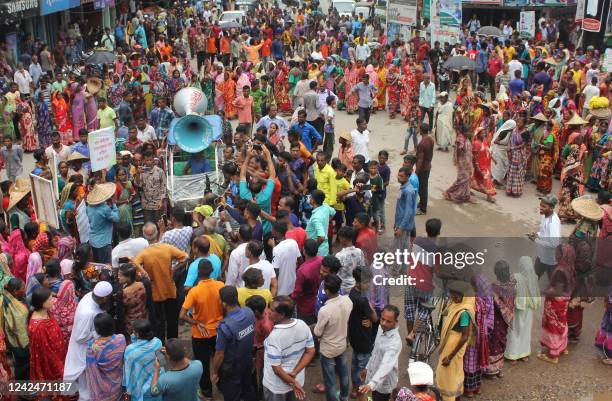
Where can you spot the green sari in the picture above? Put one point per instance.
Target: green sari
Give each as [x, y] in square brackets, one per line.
[125, 209]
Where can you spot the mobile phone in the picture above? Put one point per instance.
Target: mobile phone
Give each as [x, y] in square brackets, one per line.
[257, 147]
[366, 187]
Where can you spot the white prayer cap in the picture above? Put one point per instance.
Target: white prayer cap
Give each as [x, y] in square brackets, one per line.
[103, 289]
[420, 374]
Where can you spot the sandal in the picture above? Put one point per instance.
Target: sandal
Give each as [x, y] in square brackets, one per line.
[607, 361]
[548, 359]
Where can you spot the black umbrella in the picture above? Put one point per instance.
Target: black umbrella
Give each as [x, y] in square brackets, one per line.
[490, 31]
[458, 63]
[100, 57]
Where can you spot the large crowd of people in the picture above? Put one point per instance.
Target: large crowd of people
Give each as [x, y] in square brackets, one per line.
[278, 270]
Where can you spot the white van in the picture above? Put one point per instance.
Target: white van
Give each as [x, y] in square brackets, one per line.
[344, 7]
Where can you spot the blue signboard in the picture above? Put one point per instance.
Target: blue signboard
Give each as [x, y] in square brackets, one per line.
[53, 6]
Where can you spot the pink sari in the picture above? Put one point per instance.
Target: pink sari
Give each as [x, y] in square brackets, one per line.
[64, 308]
[243, 80]
[20, 255]
[219, 101]
[351, 79]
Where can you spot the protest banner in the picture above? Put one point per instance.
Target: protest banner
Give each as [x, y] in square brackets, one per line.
[44, 198]
[527, 24]
[102, 148]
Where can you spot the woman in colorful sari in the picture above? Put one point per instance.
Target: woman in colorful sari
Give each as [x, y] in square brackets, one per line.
[77, 108]
[67, 205]
[603, 339]
[476, 359]
[281, 89]
[47, 346]
[571, 177]
[229, 94]
[134, 296]
[547, 154]
[526, 302]
[208, 87]
[44, 125]
[175, 84]
[517, 159]
[219, 95]
[554, 334]
[457, 333]
[482, 180]
[139, 363]
[124, 193]
[15, 325]
[64, 307]
[460, 190]
[5, 272]
[600, 153]
[62, 121]
[19, 253]
[104, 370]
[26, 125]
[6, 119]
[504, 292]
[392, 84]
[242, 80]
[381, 85]
[408, 88]
[159, 88]
[351, 78]
[115, 91]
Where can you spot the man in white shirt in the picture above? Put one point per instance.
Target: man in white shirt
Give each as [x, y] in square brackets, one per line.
[381, 373]
[285, 258]
[146, 132]
[287, 350]
[427, 98]
[362, 51]
[108, 40]
[238, 261]
[61, 151]
[253, 252]
[272, 117]
[589, 91]
[23, 79]
[127, 247]
[360, 138]
[514, 65]
[548, 237]
[35, 70]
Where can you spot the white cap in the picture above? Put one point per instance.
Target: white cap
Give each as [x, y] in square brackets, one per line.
[420, 374]
[103, 289]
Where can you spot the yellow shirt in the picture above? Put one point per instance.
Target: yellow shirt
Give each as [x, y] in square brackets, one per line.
[509, 52]
[342, 184]
[107, 117]
[156, 260]
[326, 182]
[577, 77]
[246, 293]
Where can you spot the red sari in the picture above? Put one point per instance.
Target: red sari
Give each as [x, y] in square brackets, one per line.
[482, 180]
[351, 78]
[47, 349]
[229, 94]
[62, 120]
[281, 93]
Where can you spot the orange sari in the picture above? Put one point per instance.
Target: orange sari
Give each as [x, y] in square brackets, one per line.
[229, 94]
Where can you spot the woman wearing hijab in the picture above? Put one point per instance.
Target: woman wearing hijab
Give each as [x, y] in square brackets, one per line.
[476, 359]
[139, 357]
[47, 346]
[104, 369]
[457, 333]
[526, 302]
[554, 334]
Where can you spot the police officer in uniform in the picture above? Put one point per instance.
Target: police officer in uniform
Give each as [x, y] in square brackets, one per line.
[233, 361]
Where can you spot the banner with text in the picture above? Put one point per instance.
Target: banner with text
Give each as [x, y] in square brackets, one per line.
[443, 34]
[402, 12]
[527, 24]
[593, 15]
[102, 148]
[449, 12]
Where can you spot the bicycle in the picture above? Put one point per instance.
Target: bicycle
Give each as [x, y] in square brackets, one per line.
[427, 334]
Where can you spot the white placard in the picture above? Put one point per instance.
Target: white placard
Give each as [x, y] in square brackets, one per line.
[527, 24]
[44, 198]
[607, 63]
[82, 222]
[102, 149]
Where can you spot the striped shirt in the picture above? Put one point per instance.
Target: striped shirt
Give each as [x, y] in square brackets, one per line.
[139, 366]
[285, 346]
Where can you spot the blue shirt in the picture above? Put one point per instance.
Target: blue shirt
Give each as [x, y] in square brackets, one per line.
[308, 133]
[235, 336]
[481, 61]
[192, 272]
[263, 199]
[180, 385]
[516, 87]
[405, 208]
[198, 166]
[344, 53]
[277, 49]
[82, 148]
[414, 181]
[355, 27]
[427, 95]
[318, 226]
[101, 218]
[322, 297]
